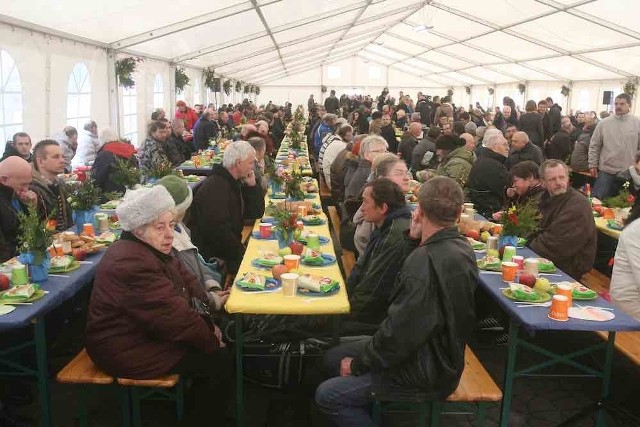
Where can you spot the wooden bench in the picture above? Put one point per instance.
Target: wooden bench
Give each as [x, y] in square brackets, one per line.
[246, 233]
[325, 191]
[476, 387]
[347, 257]
[82, 370]
[628, 343]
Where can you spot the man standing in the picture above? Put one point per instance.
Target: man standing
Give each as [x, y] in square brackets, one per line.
[543, 110]
[561, 146]
[331, 104]
[206, 128]
[409, 141]
[613, 146]
[555, 117]
[567, 233]
[88, 145]
[52, 198]
[221, 202]
[397, 358]
[15, 196]
[20, 146]
[522, 149]
[310, 103]
[68, 141]
[389, 133]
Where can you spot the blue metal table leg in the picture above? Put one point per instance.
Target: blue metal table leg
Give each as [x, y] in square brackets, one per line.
[239, 373]
[606, 377]
[509, 374]
[43, 374]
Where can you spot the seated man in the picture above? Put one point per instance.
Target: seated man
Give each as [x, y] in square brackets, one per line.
[419, 347]
[523, 149]
[455, 160]
[370, 284]
[222, 201]
[372, 146]
[15, 196]
[20, 146]
[52, 197]
[567, 233]
[489, 178]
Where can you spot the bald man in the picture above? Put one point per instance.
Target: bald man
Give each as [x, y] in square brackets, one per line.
[15, 196]
[522, 149]
[470, 141]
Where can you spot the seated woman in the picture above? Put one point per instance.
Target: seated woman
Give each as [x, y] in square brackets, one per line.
[140, 323]
[185, 249]
[625, 280]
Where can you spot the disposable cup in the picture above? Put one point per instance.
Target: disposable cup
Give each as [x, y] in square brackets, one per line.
[470, 211]
[509, 270]
[531, 266]
[292, 262]
[559, 309]
[265, 230]
[508, 253]
[302, 211]
[518, 259]
[19, 275]
[88, 229]
[313, 241]
[566, 290]
[289, 284]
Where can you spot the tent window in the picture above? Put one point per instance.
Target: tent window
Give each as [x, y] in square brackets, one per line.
[130, 114]
[79, 96]
[374, 72]
[334, 72]
[158, 92]
[10, 97]
[196, 92]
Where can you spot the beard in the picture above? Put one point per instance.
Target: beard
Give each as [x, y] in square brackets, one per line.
[558, 192]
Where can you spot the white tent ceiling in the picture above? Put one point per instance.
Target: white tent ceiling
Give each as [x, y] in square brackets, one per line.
[462, 42]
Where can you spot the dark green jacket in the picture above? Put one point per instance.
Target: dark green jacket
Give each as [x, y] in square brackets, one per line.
[456, 165]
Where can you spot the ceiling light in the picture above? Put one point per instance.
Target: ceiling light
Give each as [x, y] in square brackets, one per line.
[422, 28]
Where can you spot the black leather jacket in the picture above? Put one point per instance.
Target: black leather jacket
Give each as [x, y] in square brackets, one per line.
[418, 351]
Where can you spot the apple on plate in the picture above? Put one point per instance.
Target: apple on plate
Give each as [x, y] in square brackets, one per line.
[528, 279]
[5, 283]
[79, 254]
[484, 237]
[474, 234]
[296, 247]
[278, 270]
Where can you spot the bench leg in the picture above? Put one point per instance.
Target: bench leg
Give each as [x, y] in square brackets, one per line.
[376, 412]
[135, 407]
[180, 399]
[125, 400]
[83, 411]
[481, 414]
[422, 413]
[436, 407]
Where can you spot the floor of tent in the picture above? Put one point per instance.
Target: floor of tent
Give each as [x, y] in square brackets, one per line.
[537, 402]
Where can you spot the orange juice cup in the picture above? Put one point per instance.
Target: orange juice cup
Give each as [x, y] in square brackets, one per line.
[88, 229]
[509, 270]
[559, 309]
[608, 214]
[302, 210]
[292, 262]
[567, 291]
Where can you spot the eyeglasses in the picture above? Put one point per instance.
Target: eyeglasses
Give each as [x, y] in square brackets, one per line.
[384, 150]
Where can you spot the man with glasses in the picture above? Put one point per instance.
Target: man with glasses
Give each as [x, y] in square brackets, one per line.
[372, 146]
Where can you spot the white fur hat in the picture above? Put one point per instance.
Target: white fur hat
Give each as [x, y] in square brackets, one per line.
[143, 206]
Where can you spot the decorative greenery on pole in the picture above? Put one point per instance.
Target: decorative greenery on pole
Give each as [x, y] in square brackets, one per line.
[521, 88]
[631, 86]
[208, 78]
[226, 86]
[565, 90]
[182, 79]
[125, 67]
[238, 86]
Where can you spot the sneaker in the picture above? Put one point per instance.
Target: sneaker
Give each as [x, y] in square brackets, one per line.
[489, 324]
[503, 339]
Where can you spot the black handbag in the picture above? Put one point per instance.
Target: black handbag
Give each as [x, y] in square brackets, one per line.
[202, 308]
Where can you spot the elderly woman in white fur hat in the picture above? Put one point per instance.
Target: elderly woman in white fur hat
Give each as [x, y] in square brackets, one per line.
[185, 249]
[141, 323]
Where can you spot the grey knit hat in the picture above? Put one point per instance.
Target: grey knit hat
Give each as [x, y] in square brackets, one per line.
[143, 206]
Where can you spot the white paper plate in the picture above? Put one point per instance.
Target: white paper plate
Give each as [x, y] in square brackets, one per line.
[591, 313]
[6, 309]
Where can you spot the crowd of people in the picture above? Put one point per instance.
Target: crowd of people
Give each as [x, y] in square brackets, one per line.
[159, 289]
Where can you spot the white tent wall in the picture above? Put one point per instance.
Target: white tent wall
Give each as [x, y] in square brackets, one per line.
[45, 64]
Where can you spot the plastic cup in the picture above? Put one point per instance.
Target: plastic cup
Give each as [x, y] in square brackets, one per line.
[567, 291]
[559, 309]
[468, 205]
[302, 211]
[531, 266]
[265, 230]
[102, 220]
[88, 229]
[492, 243]
[509, 270]
[470, 211]
[518, 259]
[313, 241]
[508, 253]
[292, 262]
[289, 284]
[19, 275]
[464, 218]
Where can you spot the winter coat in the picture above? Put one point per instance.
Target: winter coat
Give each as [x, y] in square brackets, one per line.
[580, 154]
[371, 281]
[567, 232]
[560, 147]
[487, 182]
[140, 323]
[531, 123]
[389, 135]
[331, 104]
[88, 146]
[104, 169]
[9, 222]
[358, 179]
[172, 151]
[625, 286]
[423, 147]
[190, 117]
[52, 201]
[186, 149]
[528, 152]
[405, 149]
[555, 117]
[220, 204]
[329, 156]
[203, 131]
[338, 170]
[433, 294]
[68, 152]
[318, 136]
[151, 154]
[456, 165]
[10, 150]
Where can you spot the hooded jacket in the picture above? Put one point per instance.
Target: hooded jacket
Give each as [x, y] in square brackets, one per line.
[456, 165]
[487, 182]
[10, 150]
[371, 281]
[88, 146]
[418, 350]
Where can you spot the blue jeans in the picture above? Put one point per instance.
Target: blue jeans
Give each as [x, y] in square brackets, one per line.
[345, 401]
[606, 186]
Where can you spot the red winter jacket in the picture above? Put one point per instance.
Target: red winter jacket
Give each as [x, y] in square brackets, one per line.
[140, 324]
[190, 118]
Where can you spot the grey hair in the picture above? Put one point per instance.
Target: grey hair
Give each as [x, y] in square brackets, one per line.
[236, 152]
[90, 125]
[329, 118]
[552, 163]
[488, 133]
[365, 147]
[175, 122]
[492, 139]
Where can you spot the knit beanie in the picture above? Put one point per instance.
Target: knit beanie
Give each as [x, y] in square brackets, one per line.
[448, 142]
[179, 190]
[143, 206]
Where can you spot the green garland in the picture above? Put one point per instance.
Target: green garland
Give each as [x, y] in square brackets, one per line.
[257, 90]
[227, 85]
[181, 79]
[126, 174]
[209, 75]
[125, 67]
[83, 196]
[239, 86]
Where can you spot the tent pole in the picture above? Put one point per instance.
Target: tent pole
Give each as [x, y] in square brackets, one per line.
[114, 101]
